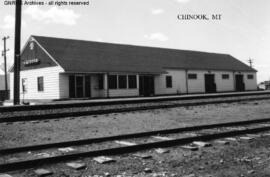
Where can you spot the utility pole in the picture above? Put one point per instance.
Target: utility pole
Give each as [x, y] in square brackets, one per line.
[17, 52]
[5, 62]
[250, 61]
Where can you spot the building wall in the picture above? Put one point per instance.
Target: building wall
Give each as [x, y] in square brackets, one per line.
[198, 85]
[51, 83]
[178, 83]
[250, 84]
[95, 91]
[63, 86]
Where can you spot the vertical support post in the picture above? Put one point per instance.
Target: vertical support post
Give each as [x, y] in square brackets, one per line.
[106, 88]
[187, 81]
[17, 52]
[234, 81]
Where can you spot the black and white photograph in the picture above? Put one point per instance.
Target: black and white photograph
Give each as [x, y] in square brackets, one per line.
[135, 88]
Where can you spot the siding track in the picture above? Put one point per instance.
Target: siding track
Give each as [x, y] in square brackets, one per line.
[218, 131]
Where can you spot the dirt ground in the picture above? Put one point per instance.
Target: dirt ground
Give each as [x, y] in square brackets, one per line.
[37, 132]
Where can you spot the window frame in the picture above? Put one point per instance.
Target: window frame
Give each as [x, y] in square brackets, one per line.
[192, 74]
[40, 88]
[122, 82]
[109, 81]
[225, 78]
[250, 76]
[169, 83]
[130, 81]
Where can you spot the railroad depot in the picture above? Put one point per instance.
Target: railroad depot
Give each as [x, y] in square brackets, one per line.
[55, 68]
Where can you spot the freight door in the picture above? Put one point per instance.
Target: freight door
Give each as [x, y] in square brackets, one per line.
[210, 85]
[146, 87]
[239, 83]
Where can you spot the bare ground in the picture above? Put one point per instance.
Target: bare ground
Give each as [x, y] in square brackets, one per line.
[37, 132]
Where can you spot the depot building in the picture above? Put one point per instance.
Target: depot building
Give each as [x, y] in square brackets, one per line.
[54, 68]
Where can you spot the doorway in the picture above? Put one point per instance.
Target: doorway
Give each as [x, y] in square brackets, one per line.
[146, 87]
[210, 85]
[79, 86]
[239, 83]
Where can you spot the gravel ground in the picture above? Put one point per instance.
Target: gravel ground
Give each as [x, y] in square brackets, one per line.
[39, 132]
[238, 159]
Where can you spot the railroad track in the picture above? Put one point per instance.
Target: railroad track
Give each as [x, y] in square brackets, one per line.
[115, 107]
[126, 101]
[114, 145]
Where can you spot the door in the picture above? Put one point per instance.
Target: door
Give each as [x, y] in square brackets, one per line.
[239, 83]
[72, 91]
[210, 85]
[87, 87]
[146, 87]
[79, 87]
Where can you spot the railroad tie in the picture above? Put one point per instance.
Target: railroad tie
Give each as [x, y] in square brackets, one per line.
[126, 143]
[103, 159]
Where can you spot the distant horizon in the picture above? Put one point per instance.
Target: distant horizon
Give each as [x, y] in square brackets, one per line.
[154, 23]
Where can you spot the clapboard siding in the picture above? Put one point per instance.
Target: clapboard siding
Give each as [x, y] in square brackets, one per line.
[51, 83]
[63, 86]
[250, 84]
[178, 83]
[224, 85]
[123, 92]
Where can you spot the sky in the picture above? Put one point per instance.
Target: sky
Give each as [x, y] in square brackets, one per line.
[243, 30]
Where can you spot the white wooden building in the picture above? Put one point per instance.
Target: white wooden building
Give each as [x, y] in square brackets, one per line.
[54, 68]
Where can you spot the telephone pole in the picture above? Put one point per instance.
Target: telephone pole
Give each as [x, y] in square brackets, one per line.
[5, 62]
[17, 52]
[250, 61]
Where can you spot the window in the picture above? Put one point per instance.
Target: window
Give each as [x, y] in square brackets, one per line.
[112, 81]
[250, 76]
[225, 76]
[169, 81]
[192, 76]
[40, 82]
[100, 82]
[132, 81]
[24, 85]
[122, 81]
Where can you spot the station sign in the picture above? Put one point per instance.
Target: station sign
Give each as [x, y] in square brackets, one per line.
[31, 62]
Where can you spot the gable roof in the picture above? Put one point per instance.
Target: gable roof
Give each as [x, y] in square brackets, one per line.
[87, 56]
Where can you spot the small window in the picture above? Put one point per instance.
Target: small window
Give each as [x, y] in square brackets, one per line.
[132, 81]
[250, 76]
[192, 76]
[24, 85]
[100, 82]
[40, 83]
[112, 81]
[169, 81]
[122, 81]
[225, 76]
